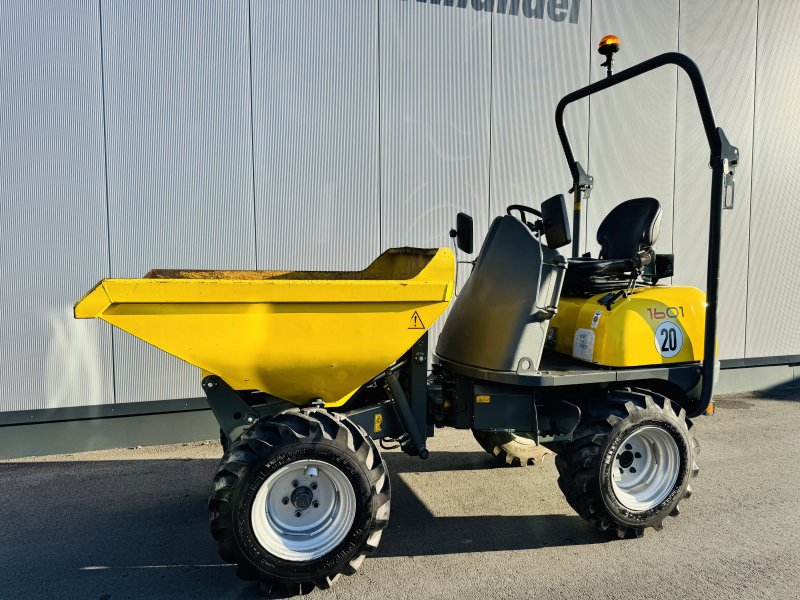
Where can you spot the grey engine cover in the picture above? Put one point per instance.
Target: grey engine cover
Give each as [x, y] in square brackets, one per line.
[494, 322]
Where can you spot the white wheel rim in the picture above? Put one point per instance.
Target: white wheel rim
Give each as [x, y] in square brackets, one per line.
[646, 468]
[303, 510]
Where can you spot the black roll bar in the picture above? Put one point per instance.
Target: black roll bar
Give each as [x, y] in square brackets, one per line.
[724, 158]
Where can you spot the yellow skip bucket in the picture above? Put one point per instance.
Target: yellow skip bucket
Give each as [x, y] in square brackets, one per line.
[298, 335]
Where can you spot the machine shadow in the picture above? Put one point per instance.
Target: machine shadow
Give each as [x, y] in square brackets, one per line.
[140, 527]
[787, 392]
[415, 531]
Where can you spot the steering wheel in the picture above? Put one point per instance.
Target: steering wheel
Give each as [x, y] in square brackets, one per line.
[522, 210]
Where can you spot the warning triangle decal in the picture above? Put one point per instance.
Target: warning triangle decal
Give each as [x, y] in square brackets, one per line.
[416, 322]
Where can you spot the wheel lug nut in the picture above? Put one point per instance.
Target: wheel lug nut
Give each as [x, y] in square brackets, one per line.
[313, 486]
[637, 455]
[315, 504]
[298, 514]
[285, 501]
[294, 483]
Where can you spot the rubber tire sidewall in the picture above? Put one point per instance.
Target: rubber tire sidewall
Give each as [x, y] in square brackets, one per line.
[334, 561]
[656, 514]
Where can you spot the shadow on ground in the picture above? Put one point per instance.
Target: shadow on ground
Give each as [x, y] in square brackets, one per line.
[138, 528]
[789, 392]
[415, 531]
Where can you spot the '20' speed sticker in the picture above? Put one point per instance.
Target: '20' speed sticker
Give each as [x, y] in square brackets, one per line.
[669, 339]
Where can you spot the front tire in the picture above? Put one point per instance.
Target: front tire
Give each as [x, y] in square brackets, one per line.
[630, 463]
[299, 499]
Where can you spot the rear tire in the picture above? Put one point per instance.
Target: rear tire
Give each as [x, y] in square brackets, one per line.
[299, 499]
[630, 463]
[510, 449]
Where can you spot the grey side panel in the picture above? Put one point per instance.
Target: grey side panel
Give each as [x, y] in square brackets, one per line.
[54, 243]
[179, 158]
[728, 67]
[102, 434]
[737, 381]
[534, 63]
[493, 324]
[632, 127]
[315, 122]
[774, 277]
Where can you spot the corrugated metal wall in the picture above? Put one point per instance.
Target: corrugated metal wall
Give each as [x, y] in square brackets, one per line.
[179, 158]
[773, 280]
[632, 127]
[313, 135]
[53, 223]
[728, 63]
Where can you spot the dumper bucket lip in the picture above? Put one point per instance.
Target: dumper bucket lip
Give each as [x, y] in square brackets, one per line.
[429, 284]
[181, 291]
[94, 303]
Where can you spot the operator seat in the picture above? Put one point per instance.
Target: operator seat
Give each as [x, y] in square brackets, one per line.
[630, 229]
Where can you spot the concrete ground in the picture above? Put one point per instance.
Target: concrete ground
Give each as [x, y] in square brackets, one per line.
[132, 524]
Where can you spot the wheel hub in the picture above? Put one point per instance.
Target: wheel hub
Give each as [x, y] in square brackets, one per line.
[301, 498]
[646, 468]
[626, 458]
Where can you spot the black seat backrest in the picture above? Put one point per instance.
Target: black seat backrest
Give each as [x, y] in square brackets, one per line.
[629, 228]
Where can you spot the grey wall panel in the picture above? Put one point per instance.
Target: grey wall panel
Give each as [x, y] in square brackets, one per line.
[179, 158]
[632, 127]
[435, 112]
[535, 62]
[315, 120]
[53, 245]
[372, 124]
[435, 107]
[723, 44]
[774, 277]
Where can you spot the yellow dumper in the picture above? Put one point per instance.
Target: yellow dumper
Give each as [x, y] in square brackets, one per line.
[305, 370]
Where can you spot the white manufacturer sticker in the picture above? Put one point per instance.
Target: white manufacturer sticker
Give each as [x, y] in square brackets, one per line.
[669, 339]
[583, 344]
[596, 319]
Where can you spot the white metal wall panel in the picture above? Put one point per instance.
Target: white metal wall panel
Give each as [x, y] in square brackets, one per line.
[774, 277]
[632, 127]
[53, 245]
[179, 158]
[728, 66]
[535, 62]
[315, 122]
[435, 112]
[435, 107]
[372, 124]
